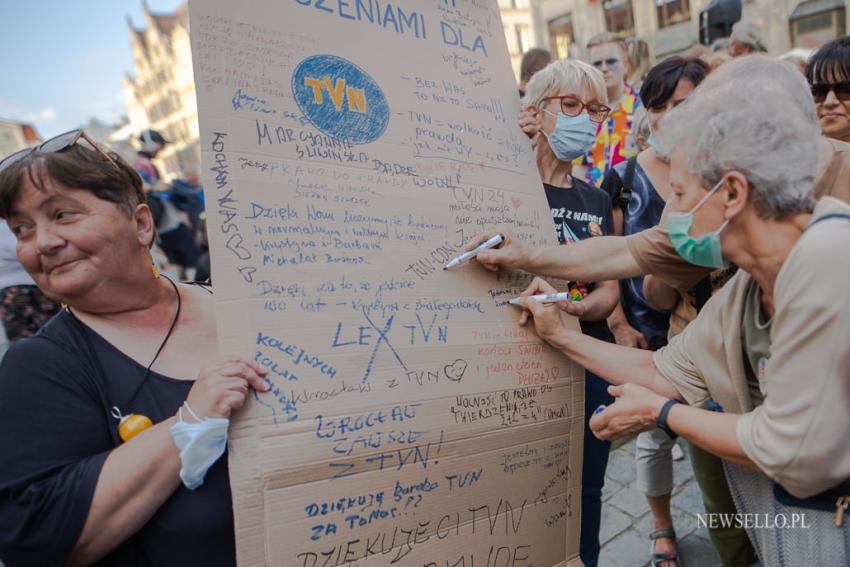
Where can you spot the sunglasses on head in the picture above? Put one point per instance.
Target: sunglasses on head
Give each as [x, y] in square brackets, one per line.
[821, 90]
[56, 144]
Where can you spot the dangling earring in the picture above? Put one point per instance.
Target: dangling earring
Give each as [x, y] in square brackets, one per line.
[154, 269]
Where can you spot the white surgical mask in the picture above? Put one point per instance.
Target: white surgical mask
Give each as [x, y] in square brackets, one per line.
[201, 444]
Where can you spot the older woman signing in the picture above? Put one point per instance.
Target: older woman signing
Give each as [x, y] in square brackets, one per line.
[116, 400]
[770, 350]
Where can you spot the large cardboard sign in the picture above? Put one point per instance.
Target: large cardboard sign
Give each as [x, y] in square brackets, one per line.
[350, 148]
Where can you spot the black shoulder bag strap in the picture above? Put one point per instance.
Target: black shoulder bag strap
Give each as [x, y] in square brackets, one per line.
[702, 293]
[628, 183]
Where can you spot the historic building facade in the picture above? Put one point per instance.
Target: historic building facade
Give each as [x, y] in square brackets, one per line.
[672, 26]
[15, 136]
[161, 92]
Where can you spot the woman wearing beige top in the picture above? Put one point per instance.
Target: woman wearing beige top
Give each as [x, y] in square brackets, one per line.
[771, 349]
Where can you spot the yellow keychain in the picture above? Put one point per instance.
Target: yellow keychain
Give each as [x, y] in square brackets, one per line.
[130, 425]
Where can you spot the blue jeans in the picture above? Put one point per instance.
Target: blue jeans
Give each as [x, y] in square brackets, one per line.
[592, 471]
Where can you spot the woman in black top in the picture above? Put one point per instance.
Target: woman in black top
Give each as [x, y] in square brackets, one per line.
[128, 343]
[567, 99]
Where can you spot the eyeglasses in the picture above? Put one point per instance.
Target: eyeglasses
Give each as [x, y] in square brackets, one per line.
[841, 90]
[572, 106]
[56, 144]
[611, 63]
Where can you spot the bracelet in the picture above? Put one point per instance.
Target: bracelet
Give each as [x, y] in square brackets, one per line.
[662, 418]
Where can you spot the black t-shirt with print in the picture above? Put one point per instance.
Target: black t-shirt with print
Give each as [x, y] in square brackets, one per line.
[582, 211]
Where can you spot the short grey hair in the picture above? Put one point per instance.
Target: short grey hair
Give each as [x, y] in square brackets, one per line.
[749, 33]
[756, 131]
[568, 75]
[768, 72]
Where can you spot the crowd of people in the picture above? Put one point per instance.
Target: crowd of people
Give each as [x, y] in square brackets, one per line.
[178, 213]
[705, 272]
[730, 342]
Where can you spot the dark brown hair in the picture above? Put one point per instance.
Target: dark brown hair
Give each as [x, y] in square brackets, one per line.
[830, 63]
[532, 61]
[76, 167]
[661, 81]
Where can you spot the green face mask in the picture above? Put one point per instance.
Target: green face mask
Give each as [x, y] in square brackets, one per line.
[703, 251]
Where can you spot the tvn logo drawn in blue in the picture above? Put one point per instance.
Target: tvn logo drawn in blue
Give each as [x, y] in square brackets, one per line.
[340, 99]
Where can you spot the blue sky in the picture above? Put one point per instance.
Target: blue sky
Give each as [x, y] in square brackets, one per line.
[62, 62]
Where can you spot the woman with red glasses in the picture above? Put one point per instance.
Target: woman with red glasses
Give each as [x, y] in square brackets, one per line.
[828, 73]
[568, 101]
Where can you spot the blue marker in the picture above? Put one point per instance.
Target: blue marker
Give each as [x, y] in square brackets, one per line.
[599, 410]
[467, 256]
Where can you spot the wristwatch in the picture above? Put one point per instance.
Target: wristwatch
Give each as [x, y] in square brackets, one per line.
[662, 418]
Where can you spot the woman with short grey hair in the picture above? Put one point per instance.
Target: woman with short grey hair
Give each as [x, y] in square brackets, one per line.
[769, 352]
[746, 38]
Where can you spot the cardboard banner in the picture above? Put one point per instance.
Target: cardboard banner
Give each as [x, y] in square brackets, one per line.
[350, 148]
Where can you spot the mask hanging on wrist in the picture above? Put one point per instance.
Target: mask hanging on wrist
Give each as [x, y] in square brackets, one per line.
[201, 445]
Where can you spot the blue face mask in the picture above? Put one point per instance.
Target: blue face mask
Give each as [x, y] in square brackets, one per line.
[704, 250]
[201, 444]
[653, 141]
[573, 136]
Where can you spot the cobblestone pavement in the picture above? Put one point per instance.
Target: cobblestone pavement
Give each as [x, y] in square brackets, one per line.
[626, 521]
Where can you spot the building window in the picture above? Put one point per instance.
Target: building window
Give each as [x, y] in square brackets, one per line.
[811, 29]
[523, 37]
[619, 17]
[513, 4]
[510, 39]
[561, 36]
[672, 12]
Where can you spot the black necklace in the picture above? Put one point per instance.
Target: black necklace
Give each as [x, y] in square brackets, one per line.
[132, 424]
[167, 335]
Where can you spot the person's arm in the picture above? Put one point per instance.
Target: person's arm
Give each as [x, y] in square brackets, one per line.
[658, 294]
[592, 260]
[140, 475]
[636, 410]
[624, 333]
[712, 431]
[136, 479]
[616, 364]
[622, 330]
[653, 252]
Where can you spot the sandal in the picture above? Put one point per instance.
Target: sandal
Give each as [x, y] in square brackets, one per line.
[657, 558]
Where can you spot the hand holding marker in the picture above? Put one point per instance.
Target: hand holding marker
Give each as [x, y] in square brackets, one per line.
[467, 256]
[544, 298]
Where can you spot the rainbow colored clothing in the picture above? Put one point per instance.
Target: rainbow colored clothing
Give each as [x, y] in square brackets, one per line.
[614, 142]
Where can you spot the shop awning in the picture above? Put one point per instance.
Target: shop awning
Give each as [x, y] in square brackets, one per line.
[813, 7]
